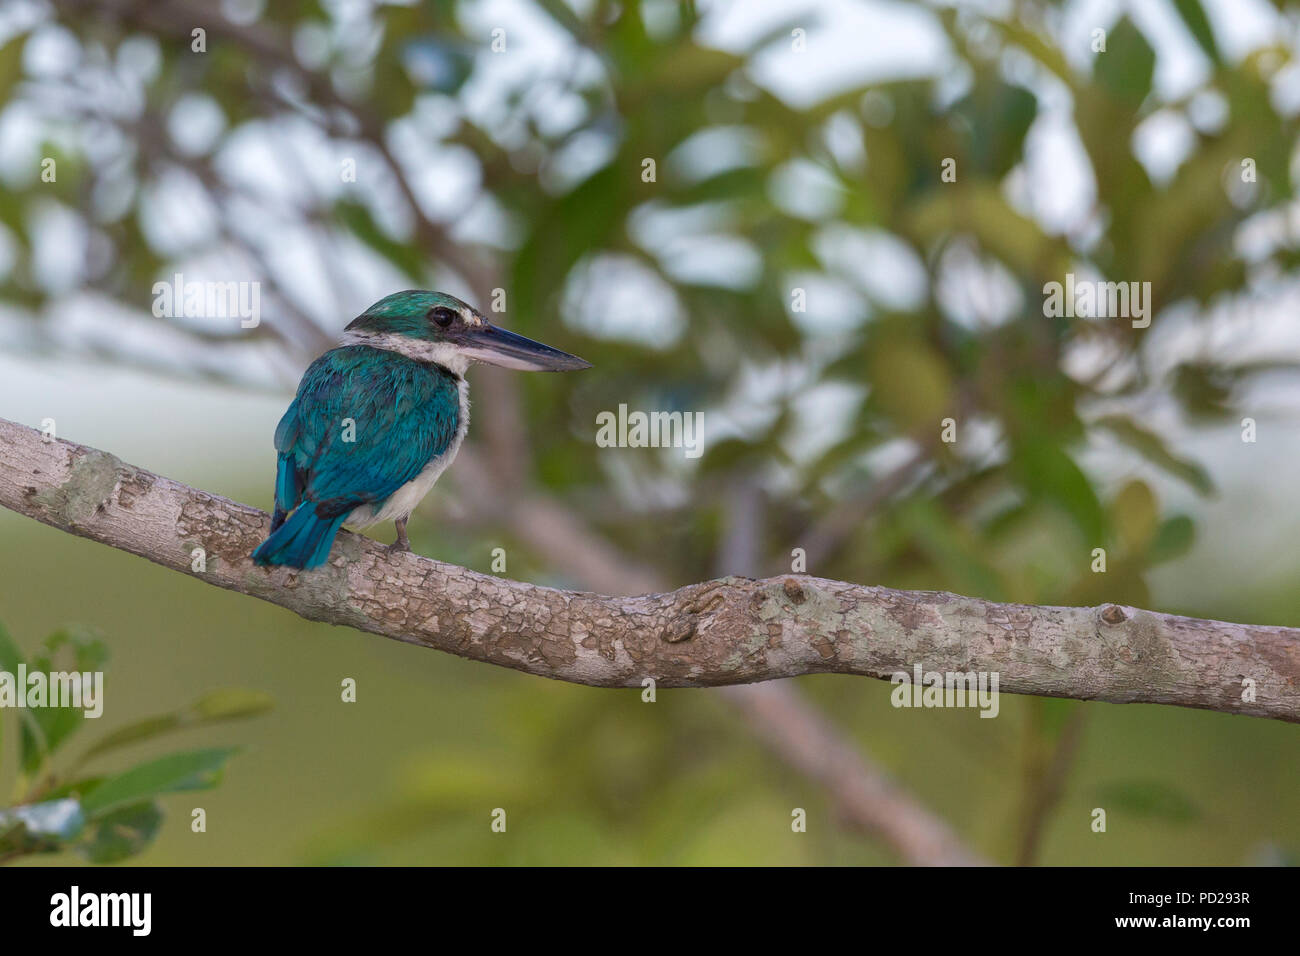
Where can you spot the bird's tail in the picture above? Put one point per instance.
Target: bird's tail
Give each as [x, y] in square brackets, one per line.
[303, 541]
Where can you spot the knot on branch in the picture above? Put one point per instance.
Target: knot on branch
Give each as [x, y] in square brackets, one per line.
[794, 591]
[1114, 614]
[682, 627]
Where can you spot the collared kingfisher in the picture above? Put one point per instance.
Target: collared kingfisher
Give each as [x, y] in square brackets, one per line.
[379, 418]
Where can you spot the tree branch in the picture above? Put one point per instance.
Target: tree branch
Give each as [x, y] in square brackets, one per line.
[728, 631]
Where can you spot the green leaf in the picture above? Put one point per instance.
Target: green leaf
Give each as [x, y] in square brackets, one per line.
[1048, 473]
[727, 453]
[909, 381]
[10, 655]
[1198, 23]
[1151, 799]
[1136, 514]
[10, 658]
[1031, 40]
[231, 703]
[11, 65]
[1204, 389]
[122, 833]
[66, 650]
[1152, 447]
[31, 745]
[74, 788]
[31, 739]
[582, 222]
[981, 210]
[559, 11]
[1127, 64]
[132, 733]
[997, 116]
[1174, 538]
[195, 770]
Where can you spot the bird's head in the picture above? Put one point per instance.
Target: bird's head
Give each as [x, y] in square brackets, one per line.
[436, 327]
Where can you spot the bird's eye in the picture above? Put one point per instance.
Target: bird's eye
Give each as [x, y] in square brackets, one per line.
[442, 315]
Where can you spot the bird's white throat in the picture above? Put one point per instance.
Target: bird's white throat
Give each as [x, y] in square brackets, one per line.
[449, 356]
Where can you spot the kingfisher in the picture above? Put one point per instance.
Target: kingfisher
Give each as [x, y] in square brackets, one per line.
[377, 420]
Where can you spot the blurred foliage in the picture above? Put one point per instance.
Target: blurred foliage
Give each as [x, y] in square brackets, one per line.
[104, 817]
[809, 197]
[865, 163]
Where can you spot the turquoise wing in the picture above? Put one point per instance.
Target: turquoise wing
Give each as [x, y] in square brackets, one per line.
[364, 423]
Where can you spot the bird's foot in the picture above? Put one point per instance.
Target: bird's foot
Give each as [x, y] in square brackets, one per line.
[403, 543]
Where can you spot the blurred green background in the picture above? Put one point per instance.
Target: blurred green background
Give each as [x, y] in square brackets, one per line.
[798, 269]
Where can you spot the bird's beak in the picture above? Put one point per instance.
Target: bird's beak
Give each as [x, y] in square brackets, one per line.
[497, 346]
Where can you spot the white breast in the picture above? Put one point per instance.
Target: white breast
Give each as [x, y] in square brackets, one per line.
[404, 500]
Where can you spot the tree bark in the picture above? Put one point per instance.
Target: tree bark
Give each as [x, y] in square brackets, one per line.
[728, 631]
